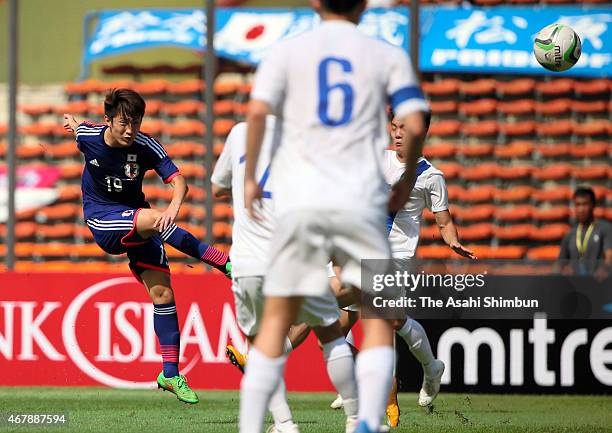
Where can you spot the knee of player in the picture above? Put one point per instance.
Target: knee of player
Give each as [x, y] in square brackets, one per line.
[162, 294]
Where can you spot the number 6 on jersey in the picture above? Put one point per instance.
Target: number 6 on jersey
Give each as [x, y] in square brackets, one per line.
[325, 89]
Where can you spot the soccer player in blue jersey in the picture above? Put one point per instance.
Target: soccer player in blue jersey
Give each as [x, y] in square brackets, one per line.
[117, 155]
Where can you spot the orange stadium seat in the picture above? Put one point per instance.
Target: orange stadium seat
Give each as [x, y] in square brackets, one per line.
[71, 170]
[72, 107]
[152, 127]
[520, 107]
[222, 211]
[196, 212]
[191, 170]
[450, 169]
[434, 252]
[592, 172]
[429, 233]
[439, 150]
[444, 87]
[594, 128]
[3, 129]
[222, 127]
[30, 151]
[443, 107]
[550, 232]
[515, 194]
[547, 252]
[556, 213]
[240, 108]
[186, 87]
[53, 249]
[557, 128]
[196, 193]
[485, 128]
[84, 87]
[245, 88]
[23, 230]
[182, 149]
[514, 232]
[589, 107]
[478, 107]
[558, 171]
[476, 232]
[483, 212]
[445, 128]
[35, 110]
[38, 129]
[224, 107]
[222, 229]
[514, 129]
[62, 211]
[477, 194]
[479, 172]
[516, 149]
[514, 213]
[66, 149]
[555, 150]
[599, 87]
[151, 87]
[224, 88]
[591, 150]
[556, 193]
[188, 107]
[3, 147]
[554, 107]
[81, 231]
[514, 172]
[86, 250]
[476, 150]
[185, 128]
[517, 87]
[55, 231]
[479, 87]
[601, 192]
[25, 215]
[559, 86]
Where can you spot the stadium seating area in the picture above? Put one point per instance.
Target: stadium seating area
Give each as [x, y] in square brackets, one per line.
[512, 150]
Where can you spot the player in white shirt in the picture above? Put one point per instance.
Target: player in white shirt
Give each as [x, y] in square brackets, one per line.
[330, 87]
[249, 252]
[404, 228]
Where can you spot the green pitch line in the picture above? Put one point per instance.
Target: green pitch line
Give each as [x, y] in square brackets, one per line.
[107, 410]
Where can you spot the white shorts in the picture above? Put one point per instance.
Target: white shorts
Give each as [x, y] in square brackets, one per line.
[249, 300]
[305, 241]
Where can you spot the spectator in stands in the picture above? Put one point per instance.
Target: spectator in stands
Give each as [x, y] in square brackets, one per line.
[588, 245]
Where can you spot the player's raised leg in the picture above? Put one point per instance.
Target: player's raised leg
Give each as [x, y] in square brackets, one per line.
[148, 224]
[165, 322]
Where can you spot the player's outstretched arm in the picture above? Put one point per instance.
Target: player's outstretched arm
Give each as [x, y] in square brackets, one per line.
[167, 217]
[256, 125]
[448, 231]
[70, 123]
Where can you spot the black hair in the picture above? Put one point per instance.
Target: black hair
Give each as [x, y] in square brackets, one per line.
[125, 102]
[426, 117]
[341, 6]
[585, 191]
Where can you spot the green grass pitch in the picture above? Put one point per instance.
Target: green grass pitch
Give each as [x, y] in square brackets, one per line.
[109, 410]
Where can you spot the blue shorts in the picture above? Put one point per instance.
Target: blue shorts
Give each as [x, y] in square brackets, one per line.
[115, 232]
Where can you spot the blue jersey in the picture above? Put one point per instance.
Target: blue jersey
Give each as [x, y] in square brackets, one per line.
[112, 176]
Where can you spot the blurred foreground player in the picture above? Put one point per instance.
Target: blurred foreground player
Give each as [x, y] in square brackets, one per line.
[330, 87]
[117, 155]
[250, 246]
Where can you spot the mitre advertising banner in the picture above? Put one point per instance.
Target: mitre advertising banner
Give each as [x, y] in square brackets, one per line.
[97, 330]
[453, 39]
[500, 39]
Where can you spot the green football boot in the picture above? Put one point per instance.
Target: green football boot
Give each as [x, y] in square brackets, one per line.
[228, 269]
[177, 385]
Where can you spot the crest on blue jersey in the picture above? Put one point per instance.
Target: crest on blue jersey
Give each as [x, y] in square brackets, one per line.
[131, 170]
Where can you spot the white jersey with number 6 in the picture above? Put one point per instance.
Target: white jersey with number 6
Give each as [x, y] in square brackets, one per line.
[330, 87]
[251, 238]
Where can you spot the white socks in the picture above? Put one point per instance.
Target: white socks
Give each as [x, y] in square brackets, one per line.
[260, 381]
[414, 335]
[374, 370]
[341, 370]
[279, 407]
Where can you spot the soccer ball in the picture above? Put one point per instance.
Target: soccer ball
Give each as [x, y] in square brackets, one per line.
[557, 47]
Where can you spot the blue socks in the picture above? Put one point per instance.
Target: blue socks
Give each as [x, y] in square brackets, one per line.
[165, 322]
